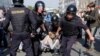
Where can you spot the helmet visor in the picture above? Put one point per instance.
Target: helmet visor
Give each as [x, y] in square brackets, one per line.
[40, 5]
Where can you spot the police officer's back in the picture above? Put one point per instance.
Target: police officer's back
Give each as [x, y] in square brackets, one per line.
[20, 18]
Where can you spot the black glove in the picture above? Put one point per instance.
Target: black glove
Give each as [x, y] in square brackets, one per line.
[33, 35]
[44, 34]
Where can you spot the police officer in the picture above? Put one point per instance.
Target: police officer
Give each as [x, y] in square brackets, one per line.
[40, 28]
[2, 33]
[20, 18]
[54, 24]
[69, 26]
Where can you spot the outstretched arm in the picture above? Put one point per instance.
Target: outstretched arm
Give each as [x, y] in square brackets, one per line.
[90, 34]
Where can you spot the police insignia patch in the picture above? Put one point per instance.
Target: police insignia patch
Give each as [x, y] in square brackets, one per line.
[18, 12]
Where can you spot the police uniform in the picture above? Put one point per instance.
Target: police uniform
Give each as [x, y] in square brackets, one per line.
[70, 31]
[20, 18]
[39, 19]
[2, 33]
[38, 36]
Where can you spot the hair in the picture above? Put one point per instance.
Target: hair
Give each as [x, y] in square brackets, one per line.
[92, 4]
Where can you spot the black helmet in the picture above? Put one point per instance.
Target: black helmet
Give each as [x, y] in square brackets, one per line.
[71, 9]
[18, 2]
[54, 18]
[38, 4]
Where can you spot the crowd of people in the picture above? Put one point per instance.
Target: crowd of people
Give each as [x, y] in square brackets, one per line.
[36, 31]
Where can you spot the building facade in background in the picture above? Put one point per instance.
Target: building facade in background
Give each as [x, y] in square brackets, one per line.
[98, 3]
[63, 4]
[6, 3]
[80, 4]
[83, 4]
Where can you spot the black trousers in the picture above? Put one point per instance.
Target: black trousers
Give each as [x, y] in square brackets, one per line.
[21, 37]
[36, 45]
[3, 39]
[66, 45]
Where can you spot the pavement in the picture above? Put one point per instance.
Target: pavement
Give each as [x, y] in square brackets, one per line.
[77, 50]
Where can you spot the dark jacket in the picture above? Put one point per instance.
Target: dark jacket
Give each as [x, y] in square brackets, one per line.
[21, 18]
[91, 18]
[70, 28]
[39, 18]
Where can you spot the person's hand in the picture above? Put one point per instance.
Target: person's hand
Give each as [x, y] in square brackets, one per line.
[57, 34]
[91, 38]
[50, 32]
